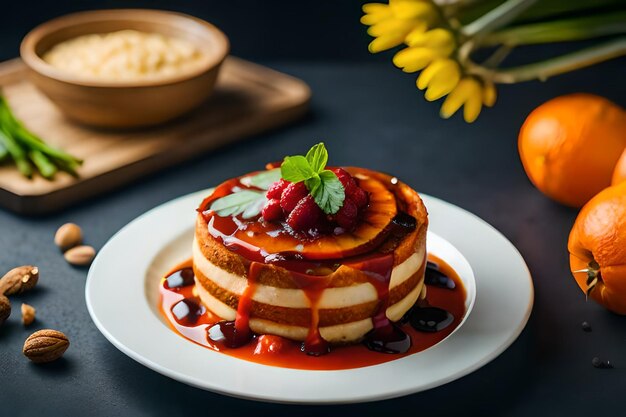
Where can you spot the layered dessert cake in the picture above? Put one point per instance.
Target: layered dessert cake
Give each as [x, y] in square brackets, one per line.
[319, 255]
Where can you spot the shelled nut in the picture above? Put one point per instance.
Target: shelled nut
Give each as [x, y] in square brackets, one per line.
[28, 314]
[19, 280]
[80, 255]
[45, 346]
[5, 309]
[68, 236]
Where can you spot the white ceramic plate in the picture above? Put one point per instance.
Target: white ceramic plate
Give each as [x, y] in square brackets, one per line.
[122, 298]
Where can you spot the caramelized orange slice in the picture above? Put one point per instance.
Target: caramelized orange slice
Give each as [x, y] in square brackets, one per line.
[370, 232]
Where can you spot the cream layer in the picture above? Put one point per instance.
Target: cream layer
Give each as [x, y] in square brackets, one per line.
[340, 333]
[331, 298]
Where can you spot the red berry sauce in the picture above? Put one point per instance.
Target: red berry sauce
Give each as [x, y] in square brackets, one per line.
[384, 345]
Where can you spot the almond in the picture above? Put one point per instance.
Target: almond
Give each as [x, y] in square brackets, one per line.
[45, 346]
[28, 314]
[5, 309]
[18, 280]
[80, 255]
[68, 236]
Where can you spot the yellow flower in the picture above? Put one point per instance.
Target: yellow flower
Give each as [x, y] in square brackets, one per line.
[439, 78]
[390, 24]
[375, 12]
[439, 39]
[413, 9]
[417, 30]
[469, 94]
[429, 50]
[414, 59]
[385, 42]
[489, 94]
[424, 48]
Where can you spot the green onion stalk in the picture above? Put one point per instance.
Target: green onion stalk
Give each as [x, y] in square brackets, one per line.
[28, 152]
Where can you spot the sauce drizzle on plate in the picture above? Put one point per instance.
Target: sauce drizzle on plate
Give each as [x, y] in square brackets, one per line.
[427, 323]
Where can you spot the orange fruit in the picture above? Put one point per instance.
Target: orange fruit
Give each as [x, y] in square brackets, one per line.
[619, 173]
[597, 247]
[570, 145]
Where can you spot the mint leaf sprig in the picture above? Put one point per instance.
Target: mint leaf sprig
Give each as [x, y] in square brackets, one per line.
[323, 184]
[247, 202]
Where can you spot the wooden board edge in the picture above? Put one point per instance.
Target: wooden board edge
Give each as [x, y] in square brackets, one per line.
[12, 67]
[40, 204]
[297, 88]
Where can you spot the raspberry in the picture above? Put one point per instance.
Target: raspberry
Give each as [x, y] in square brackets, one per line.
[305, 215]
[268, 343]
[292, 195]
[351, 188]
[345, 178]
[346, 217]
[277, 188]
[272, 211]
[359, 196]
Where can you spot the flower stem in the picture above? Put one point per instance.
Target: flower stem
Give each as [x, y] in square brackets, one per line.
[498, 17]
[498, 56]
[559, 31]
[544, 10]
[561, 64]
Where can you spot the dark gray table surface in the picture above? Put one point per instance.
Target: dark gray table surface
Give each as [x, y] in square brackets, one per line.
[369, 115]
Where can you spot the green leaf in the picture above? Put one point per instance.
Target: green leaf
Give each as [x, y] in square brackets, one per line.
[254, 208]
[313, 184]
[296, 168]
[323, 185]
[329, 193]
[247, 201]
[3, 152]
[317, 157]
[264, 179]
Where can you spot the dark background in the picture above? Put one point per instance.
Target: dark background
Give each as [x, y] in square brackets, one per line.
[258, 30]
[369, 114]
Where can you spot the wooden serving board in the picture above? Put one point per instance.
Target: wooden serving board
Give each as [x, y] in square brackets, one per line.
[248, 99]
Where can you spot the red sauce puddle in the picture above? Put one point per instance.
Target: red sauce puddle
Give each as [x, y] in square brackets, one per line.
[194, 320]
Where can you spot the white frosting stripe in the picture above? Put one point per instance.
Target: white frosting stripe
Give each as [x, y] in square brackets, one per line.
[340, 297]
[347, 332]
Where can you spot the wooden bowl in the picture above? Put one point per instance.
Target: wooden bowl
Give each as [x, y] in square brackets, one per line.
[125, 104]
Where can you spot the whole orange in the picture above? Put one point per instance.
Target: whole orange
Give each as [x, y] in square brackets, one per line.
[619, 173]
[597, 247]
[570, 145]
